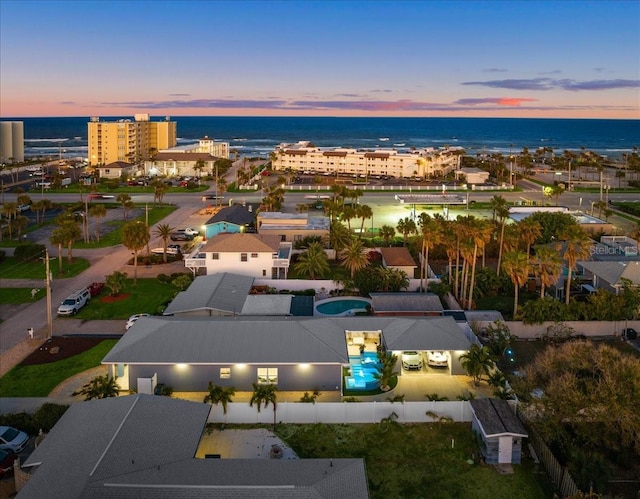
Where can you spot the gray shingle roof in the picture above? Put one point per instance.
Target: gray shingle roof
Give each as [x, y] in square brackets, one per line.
[143, 446]
[155, 340]
[223, 292]
[406, 302]
[497, 418]
[235, 214]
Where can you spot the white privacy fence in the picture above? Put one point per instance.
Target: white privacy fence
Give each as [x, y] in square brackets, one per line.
[342, 412]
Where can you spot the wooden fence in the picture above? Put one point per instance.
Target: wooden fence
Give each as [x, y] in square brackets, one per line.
[559, 474]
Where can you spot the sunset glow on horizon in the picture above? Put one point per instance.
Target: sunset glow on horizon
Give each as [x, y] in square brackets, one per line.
[342, 58]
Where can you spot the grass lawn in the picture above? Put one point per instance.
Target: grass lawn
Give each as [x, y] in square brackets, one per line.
[39, 380]
[20, 295]
[147, 296]
[11, 268]
[416, 460]
[114, 237]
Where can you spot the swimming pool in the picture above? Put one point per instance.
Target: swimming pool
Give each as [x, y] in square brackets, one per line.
[341, 306]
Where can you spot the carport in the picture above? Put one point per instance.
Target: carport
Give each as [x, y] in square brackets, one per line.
[438, 334]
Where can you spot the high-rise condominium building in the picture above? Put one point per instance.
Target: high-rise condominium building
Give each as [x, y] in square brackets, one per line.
[11, 141]
[127, 140]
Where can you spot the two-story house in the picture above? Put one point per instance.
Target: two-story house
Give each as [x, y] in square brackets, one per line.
[255, 255]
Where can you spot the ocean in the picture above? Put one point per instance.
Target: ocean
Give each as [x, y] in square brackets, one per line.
[257, 136]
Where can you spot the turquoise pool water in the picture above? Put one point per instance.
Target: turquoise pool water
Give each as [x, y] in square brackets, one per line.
[340, 306]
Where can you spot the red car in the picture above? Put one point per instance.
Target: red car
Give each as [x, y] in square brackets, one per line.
[7, 457]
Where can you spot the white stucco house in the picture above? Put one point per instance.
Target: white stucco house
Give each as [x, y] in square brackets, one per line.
[255, 255]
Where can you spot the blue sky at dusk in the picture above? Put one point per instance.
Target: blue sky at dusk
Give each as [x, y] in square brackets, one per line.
[573, 59]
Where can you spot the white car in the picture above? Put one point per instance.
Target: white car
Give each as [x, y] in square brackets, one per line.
[132, 320]
[13, 439]
[171, 250]
[411, 360]
[437, 358]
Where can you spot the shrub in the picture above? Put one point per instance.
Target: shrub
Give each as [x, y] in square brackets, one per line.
[48, 415]
[28, 252]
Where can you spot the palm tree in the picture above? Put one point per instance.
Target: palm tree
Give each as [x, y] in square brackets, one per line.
[497, 203]
[124, 199]
[98, 211]
[9, 210]
[431, 232]
[313, 262]
[353, 257]
[501, 211]
[547, 266]
[100, 387]
[577, 246]
[135, 236]
[159, 190]
[115, 282]
[339, 237]
[480, 235]
[219, 395]
[348, 214]
[477, 361]
[364, 212]
[406, 227]
[164, 231]
[57, 239]
[516, 265]
[530, 230]
[387, 232]
[265, 394]
[387, 372]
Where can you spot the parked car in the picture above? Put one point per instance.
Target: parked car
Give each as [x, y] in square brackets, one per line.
[95, 288]
[629, 334]
[411, 360]
[437, 358]
[190, 231]
[73, 303]
[181, 236]
[213, 196]
[12, 439]
[132, 320]
[7, 457]
[172, 249]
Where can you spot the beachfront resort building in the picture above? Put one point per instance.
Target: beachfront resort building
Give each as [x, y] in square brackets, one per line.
[194, 160]
[427, 163]
[11, 141]
[128, 140]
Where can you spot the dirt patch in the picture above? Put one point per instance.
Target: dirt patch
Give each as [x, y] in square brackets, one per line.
[114, 299]
[63, 347]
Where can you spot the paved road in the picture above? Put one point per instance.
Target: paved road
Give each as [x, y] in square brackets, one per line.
[103, 261]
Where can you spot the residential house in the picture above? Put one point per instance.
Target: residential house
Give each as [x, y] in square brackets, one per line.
[399, 259]
[174, 164]
[144, 446]
[292, 227]
[226, 294]
[116, 170]
[231, 219]
[610, 276]
[500, 431]
[295, 354]
[406, 304]
[254, 255]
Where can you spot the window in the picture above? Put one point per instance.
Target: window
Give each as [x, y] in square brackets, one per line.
[264, 272]
[268, 375]
[254, 255]
[225, 372]
[243, 257]
[215, 256]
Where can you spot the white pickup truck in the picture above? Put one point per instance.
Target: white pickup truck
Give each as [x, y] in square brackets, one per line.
[189, 231]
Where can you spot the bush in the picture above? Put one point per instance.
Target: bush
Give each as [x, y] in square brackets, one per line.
[164, 278]
[48, 415]
[3, 255]
[28, 252]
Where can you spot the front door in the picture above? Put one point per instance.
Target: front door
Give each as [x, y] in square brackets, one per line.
[504, 450]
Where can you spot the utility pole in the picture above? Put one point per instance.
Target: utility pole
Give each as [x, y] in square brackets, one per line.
[48, 284]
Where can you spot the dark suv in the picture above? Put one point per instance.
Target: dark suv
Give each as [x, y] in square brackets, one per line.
[630, 334]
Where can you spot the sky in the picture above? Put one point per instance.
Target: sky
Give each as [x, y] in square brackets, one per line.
[518, 58]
